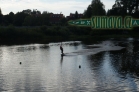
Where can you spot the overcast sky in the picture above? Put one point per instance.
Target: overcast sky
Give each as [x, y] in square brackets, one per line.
[55, 6]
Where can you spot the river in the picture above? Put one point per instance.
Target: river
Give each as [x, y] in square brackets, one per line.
[110, 65]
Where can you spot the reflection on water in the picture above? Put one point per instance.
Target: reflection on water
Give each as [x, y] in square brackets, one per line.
[43, 68]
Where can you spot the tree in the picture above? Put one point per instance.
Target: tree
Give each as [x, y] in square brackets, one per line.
[63, 21]
[35, 11]
[8, 19]
[45, 18]
[0, 11]
[76, 15]
[45, 12]
[28, 21]
[28, 11]
[11, 14]
[130, 5]
[124, 7]
[1, 16]
[96, 8]
[88, 12]
[19, 18]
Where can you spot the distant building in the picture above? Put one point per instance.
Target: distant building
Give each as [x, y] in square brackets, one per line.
[55, 18]
[73, 16]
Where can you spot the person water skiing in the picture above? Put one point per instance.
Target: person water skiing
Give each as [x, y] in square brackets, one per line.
[61, 48]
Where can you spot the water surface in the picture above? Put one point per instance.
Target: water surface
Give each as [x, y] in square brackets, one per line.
[110, 65]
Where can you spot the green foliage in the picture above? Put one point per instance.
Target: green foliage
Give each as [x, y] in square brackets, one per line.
[58, 33]
[76, 15]
[37, 20]
[19, 18]
[96, 8]
[8, 19]
[1, 19]
[124, 8]
[28, 21]
[36, 27]
[44, 27]
[88, 13]
[64, 22]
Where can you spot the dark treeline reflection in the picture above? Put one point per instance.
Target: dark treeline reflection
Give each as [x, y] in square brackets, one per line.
[128, 60]
[123, 62]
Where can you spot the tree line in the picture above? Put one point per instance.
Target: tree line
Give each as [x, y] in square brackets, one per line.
[43, 31]
[27, 18]
[120, 8]
[96, 8]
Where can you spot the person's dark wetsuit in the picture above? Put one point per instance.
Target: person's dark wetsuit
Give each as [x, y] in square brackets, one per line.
[61, 49]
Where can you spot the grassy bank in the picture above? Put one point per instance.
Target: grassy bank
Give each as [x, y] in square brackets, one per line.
[44, 34]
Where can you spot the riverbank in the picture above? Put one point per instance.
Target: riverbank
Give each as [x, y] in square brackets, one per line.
[44, 34]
